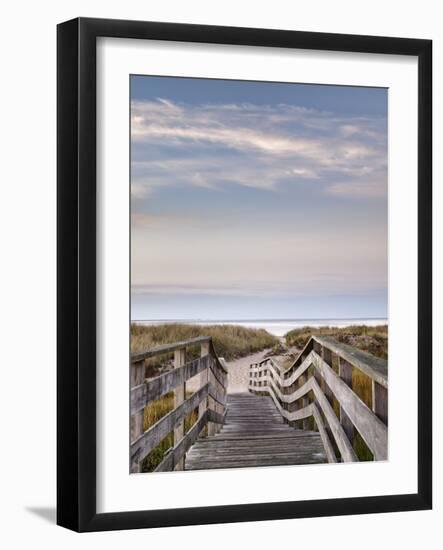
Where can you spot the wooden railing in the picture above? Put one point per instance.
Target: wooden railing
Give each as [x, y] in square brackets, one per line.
[319, 386]
[210, 399]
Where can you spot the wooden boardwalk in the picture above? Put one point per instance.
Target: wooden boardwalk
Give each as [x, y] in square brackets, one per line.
[306, 414]
[254, 434]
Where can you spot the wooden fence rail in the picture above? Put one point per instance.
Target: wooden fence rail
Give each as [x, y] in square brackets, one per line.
[320, 385]
[210, 399]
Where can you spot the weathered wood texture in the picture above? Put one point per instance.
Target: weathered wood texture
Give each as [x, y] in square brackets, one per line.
[374, 367]
[209, 400]
[254, 434]
[168, 348]
[137, 375]
[176, 454]
[261, 427]
[179, 397]
[289, 391]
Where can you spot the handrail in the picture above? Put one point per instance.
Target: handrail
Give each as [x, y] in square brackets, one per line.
[169, 348]
[210, 399]
[292, 392]
[374, 367]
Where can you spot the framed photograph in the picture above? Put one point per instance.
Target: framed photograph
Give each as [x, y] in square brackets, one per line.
[244, 274]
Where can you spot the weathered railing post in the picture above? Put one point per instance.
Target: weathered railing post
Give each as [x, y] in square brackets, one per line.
[179, 397]
[319, 351]
[252, 374]
[345, 373]
[380, 401]
[221, 408]
[137, 377]
[204, 378]
[304, 401]
[327, 358]
[211, 402]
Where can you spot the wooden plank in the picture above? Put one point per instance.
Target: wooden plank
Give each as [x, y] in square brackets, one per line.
[255, 463]
[155, 388]
[137, 373]
[216, 417]
[168, 348]
[272, 458]
[304, 400]
[299, 414]
[375, 367]
[370, 427]
[286, 398]
[290, 380]
[254, 435]
[179, 397]
[301, 358]
[380, 401]
[137, 417]
[179, 451]
[211, 404]
[345, 373]
[221, 366]
[329, 450]
[156, 433]
[343, 444]
[282, 442]
[257, 448]
[204, 379]
[219, 465]
[327, 358]
[214, 376]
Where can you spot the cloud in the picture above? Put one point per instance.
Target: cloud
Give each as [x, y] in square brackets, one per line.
[261, 146]
[192, 290]
[239, 130]
[237, 201]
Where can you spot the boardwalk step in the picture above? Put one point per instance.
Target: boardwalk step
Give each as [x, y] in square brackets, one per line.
[255, 435]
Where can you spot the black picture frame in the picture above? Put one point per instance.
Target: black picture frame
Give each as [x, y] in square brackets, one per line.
[76, 267]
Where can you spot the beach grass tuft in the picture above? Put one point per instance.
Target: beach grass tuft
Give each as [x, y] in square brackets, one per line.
[230, 341]
[374, 339]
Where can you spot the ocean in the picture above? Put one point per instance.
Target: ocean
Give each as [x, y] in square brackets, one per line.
[278, 327]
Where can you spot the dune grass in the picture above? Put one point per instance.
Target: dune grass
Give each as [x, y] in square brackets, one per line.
[230, 341]
[152, 414]
[374, 340]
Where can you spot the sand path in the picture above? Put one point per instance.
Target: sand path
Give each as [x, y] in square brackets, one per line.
[238, 371]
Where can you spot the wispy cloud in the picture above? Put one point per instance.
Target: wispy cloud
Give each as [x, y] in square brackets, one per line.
[255, 146]
[259, 209]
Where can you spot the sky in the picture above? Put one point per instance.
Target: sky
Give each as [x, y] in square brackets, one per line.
[257, 200]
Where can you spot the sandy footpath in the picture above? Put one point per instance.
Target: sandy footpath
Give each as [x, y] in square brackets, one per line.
[238, 371]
